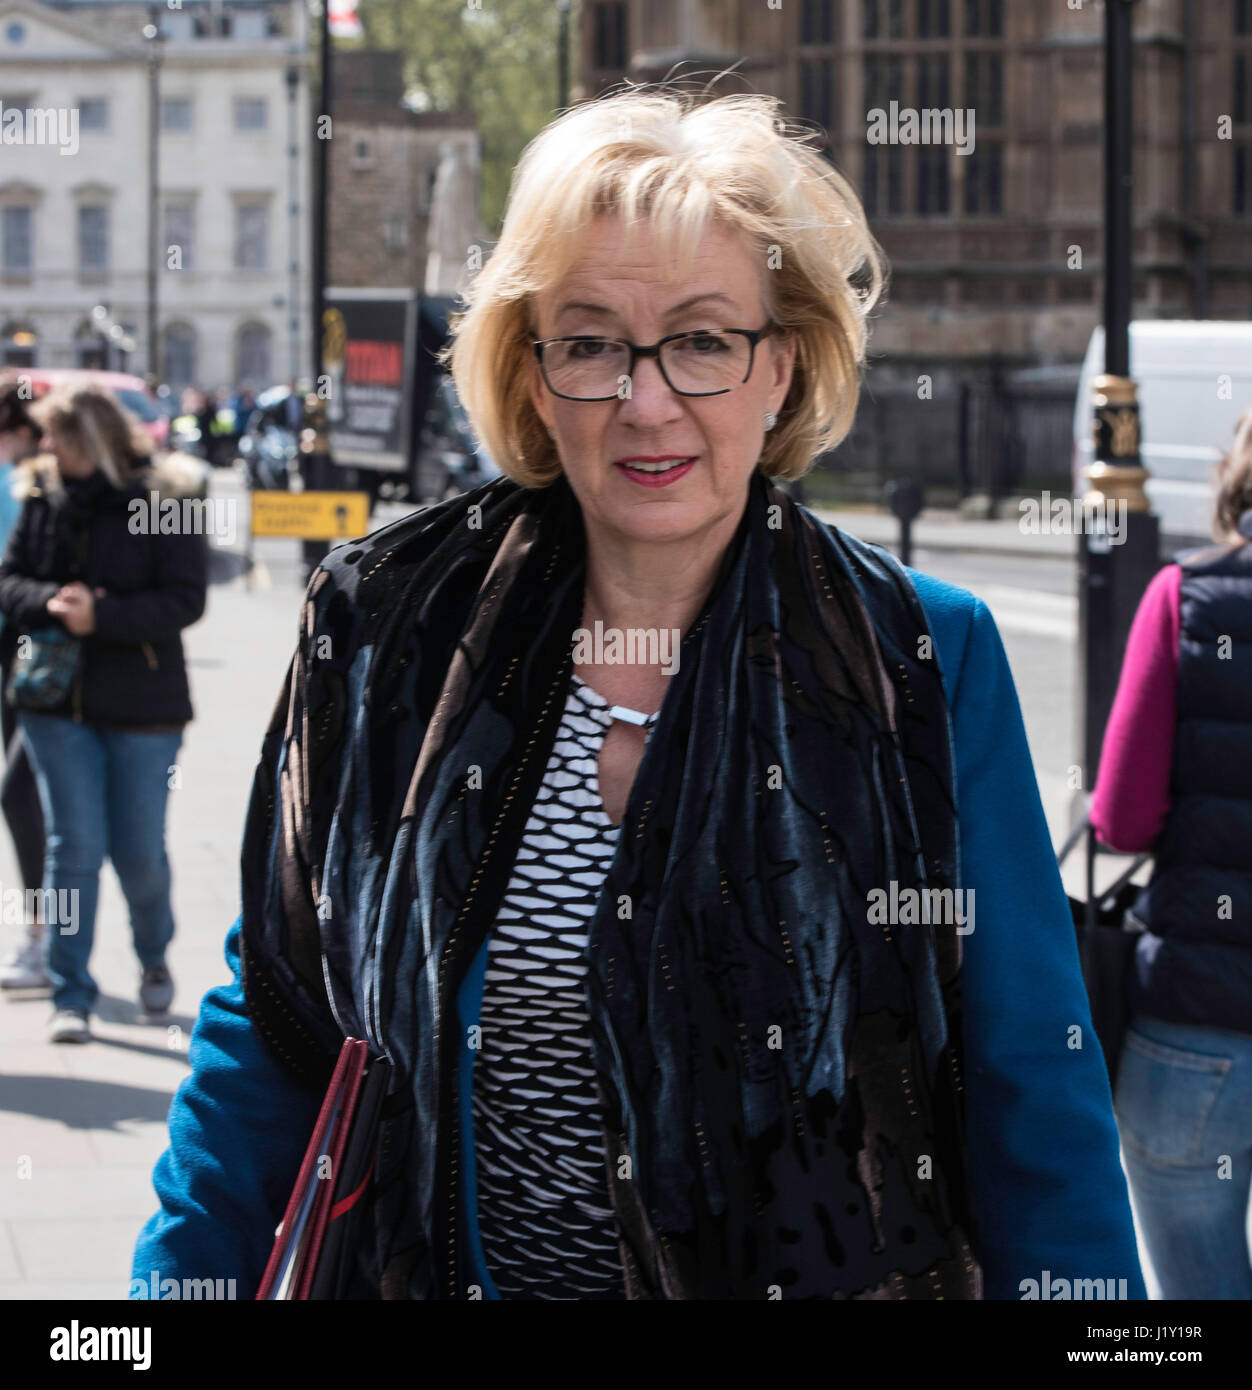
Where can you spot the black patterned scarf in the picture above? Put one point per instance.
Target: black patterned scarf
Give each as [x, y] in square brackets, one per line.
[779, 1071]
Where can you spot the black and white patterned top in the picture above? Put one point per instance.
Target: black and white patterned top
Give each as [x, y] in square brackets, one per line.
[543, 1208]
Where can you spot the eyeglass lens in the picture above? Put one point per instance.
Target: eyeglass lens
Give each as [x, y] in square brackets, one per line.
[700, 364]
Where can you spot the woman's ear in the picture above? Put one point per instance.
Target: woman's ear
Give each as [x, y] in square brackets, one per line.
[782, 351]
[538, 393]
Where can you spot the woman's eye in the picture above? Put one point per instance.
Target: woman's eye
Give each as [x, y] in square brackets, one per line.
[592, 348]
[704, 344]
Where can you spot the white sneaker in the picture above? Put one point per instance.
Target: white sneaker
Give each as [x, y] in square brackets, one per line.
[23, 967]
[69, 1026]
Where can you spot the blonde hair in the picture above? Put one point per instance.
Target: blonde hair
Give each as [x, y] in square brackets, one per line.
[91, 421]
[680, 164]
[1234, 482]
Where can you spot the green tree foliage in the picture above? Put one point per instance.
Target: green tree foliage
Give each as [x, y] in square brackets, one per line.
[496, 58]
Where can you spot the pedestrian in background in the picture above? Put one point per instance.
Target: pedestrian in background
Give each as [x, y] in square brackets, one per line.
[23, 967]
[102, 689]
[1176, 778]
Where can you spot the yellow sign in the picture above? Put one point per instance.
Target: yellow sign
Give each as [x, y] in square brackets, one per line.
[311, 516]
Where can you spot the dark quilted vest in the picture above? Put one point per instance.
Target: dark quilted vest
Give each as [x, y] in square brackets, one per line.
[1194, 965]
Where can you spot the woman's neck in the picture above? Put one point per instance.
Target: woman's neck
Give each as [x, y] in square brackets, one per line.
[648, 585]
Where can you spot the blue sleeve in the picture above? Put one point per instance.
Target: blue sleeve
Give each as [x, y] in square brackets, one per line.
[1047, 1186]
[239, 1126]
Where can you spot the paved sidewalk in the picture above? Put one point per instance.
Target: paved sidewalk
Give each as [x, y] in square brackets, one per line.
[82, 1126]
[939, 529]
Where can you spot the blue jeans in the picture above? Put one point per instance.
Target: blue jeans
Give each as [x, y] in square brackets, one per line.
[1184, 1108]
[102, 792]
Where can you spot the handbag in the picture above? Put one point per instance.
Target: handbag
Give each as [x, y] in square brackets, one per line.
[316, 1247]
[43, 678]
[1108, 935]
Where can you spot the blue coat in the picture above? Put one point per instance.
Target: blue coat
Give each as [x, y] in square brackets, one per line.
[1046, 1182]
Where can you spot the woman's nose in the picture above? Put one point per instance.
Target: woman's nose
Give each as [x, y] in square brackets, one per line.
[649, 391]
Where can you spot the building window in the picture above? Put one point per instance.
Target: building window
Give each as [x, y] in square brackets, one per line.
[884, 180]
[253, 366]
[934, 19]
[984, 87]
[251, 113]
[934, 86]
[817, 21]
[932, 180]
[1241, 89]
[882, 19]
[178, 355]
[362, 152]
[93, 114]
[250, 24]
[983, 179]
[1243, 16]
[18, 344]
[609, 35]
[175, 25]
[252, 235]
[180, 233]
[175, 115]
[18, 242]
[93, 239]
[1241, 192]
[984, 19]
[883, 76]
[817, 92]
[395, 231]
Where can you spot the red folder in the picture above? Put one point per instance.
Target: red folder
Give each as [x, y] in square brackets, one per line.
[298, 1241]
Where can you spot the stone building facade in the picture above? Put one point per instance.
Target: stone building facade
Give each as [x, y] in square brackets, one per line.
[233, 225]
[385, 162]
[995, 254]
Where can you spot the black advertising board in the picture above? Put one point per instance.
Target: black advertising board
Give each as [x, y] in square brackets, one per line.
[369, 342]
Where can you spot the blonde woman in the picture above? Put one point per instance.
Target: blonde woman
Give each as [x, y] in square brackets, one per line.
[95, 609]
[615, 804]
[1175, 769]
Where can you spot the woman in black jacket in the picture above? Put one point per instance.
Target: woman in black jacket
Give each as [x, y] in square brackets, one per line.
[95, 597]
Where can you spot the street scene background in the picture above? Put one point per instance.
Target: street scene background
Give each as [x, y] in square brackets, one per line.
[197, 133]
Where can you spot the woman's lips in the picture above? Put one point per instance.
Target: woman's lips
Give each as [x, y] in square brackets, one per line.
[670, 475]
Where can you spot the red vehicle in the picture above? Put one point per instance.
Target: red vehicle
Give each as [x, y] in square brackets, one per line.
[129, 392]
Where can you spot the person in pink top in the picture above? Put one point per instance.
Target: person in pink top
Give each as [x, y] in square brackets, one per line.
[1176, 778]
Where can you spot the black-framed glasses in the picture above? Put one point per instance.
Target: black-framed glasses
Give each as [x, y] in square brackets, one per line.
[706, 362]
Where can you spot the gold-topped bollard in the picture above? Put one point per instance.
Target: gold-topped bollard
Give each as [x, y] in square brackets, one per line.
[1116, 473]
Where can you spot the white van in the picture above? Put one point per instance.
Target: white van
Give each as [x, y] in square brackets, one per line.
[1195, 380]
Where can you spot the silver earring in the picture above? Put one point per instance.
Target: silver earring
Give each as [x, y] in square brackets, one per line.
[770, 420]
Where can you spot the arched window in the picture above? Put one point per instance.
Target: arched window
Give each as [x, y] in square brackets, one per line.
[254, 356]
[178, 355]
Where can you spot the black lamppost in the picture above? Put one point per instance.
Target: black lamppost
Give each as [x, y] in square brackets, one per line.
[152, 33]
[315, 446]
[1113, 576]
[562, 54]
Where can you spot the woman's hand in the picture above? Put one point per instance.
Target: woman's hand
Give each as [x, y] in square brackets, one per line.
[75, 605]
